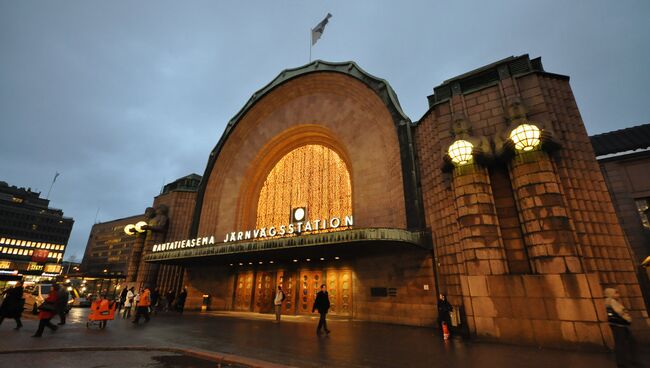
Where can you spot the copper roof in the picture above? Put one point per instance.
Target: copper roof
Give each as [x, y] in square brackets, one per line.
[622, 140]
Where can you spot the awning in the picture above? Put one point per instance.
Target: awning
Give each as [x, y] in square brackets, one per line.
[354, 240]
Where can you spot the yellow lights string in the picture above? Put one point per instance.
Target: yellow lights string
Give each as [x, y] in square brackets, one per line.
[311, 176]
[460, 152]
[525, 137]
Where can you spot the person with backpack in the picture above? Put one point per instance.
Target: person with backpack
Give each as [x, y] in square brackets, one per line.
[279, 298]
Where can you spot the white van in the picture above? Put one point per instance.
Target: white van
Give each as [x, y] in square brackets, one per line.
[37, 294]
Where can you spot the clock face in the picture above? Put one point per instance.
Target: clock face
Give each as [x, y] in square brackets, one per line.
[299, 214]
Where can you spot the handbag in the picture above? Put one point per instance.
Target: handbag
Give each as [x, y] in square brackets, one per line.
[47, 307]
[613, 317]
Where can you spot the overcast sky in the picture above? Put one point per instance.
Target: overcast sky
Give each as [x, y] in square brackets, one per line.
[120, 97]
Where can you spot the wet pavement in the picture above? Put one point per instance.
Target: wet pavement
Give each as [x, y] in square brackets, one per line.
[292, 342]
[105, 359]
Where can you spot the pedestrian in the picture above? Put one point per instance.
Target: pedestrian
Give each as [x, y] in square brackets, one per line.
[62, 303]
[180, 302]
[322, 304]
[155, 297]
[13, 304]
[128, 303]
[279, 298]
[619, 321]
[444, 314]
[47, 310]
[170, 300]
[143, 304]
[123, 295]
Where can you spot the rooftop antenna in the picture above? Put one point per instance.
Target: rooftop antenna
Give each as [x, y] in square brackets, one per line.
[96, 214]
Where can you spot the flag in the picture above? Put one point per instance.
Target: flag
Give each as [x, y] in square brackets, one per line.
[55, 176]
[317, 31]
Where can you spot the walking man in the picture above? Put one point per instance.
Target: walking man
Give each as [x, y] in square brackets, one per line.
[13, 304]
[122, 302]
[62, 303]
[279, 298]
[180, 301]
[143, 306]
[322, 304]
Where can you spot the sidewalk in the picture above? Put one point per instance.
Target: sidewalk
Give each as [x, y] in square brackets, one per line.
[294, 342]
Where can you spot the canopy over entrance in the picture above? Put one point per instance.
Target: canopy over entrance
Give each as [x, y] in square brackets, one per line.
[321, 244]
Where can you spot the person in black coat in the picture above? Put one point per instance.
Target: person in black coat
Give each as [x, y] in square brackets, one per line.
[444, 311]
[13, 304]
[180, 301]
[322, 304]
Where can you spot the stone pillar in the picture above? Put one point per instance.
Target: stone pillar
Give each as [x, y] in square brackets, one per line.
[480, 237]
[548, 233]
[134, 260]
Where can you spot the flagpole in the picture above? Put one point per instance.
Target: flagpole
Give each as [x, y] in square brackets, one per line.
[310, 44]
[51, 185]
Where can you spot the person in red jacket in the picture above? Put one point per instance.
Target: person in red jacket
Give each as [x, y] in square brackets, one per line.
[47, 311]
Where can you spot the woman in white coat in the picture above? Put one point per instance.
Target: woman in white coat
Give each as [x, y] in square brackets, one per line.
[128, 303]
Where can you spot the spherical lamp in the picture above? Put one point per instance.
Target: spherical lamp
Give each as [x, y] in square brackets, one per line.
[526, 137]
[129, 229]
[460, 152]
[139, 225]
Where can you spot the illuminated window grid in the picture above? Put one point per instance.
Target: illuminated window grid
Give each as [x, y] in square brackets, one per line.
[311, 176]
[31, 244]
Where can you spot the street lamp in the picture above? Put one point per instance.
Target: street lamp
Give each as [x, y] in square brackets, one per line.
[460, 152]
[133, 229]
[526, 137]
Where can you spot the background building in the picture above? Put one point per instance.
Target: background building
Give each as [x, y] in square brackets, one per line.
[109, 248]
[624, 159]
[33, 237]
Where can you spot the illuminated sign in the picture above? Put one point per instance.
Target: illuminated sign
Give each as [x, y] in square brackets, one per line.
[283, 230]
[33, 266]
[292, 228]
[182, 244]
[40, 255]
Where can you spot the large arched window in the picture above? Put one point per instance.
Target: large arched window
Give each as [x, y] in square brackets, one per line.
[311, 176]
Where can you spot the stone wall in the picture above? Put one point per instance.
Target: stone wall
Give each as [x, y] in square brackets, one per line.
[546, 310]
[408, 272]
[565, 219]
[331, 109]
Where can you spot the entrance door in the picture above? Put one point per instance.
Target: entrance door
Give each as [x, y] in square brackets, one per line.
[288, 282]
[339, 288]
[310, 282]
[244, 291]
[264, 292]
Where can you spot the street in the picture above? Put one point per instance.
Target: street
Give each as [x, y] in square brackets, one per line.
[293, 342]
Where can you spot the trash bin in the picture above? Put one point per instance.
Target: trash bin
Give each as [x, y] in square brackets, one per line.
[206, 302]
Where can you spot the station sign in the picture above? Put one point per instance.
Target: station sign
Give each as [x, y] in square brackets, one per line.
[292, 228]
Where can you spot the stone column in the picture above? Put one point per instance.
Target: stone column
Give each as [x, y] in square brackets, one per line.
[480, 237]
[544, 216]
[134, 260]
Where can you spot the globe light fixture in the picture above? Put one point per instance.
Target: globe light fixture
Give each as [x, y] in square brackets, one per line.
[460, 152]
[129, 229]
[139, 225]
[526, 137]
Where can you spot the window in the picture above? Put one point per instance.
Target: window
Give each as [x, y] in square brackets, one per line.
[643, 205]
[312, 177]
